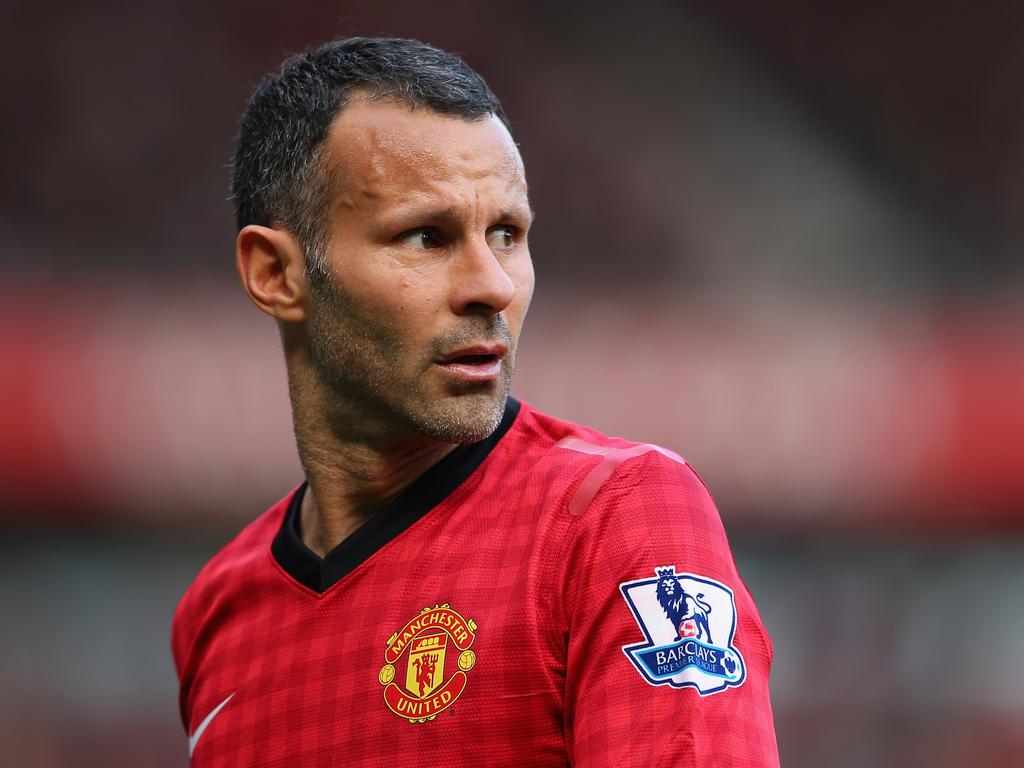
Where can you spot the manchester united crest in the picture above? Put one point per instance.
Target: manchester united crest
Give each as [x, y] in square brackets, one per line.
[426, 663]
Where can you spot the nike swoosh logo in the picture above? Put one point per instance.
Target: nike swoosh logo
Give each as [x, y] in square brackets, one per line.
[194, 738]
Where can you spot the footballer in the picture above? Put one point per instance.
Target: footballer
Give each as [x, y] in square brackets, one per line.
[458, 579]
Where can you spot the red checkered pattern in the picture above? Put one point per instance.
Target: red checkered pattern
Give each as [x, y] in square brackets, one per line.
[538, 577]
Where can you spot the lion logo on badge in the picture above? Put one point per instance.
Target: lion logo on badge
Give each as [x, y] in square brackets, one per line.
[688, 614]
[424, 647]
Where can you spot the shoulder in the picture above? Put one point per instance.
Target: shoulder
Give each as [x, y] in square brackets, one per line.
[627, 507]
[556, 441]
[601, 473]
[250, 545]
[238, 560]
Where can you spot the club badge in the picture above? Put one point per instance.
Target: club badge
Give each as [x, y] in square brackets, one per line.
[426, 663]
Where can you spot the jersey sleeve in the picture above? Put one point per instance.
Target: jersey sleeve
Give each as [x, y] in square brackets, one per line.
[668, 660]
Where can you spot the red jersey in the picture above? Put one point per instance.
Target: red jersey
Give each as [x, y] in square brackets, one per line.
[546, 597]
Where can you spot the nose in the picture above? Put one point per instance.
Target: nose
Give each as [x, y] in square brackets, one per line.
[481, 284]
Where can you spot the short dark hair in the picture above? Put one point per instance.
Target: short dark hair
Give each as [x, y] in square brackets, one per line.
[278, 173]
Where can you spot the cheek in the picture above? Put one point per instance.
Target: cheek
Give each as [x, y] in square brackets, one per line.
[411, 294]
[416, 310]
[526, 275]
[391, 295]
[522, 277]
[415, 307]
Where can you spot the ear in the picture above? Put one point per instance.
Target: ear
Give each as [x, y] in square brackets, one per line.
[272, 266]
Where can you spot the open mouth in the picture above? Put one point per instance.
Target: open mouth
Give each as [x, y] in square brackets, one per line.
[481, 363]
[471, 360]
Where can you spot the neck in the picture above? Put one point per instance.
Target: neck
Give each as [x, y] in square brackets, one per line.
[352, 472]
[349, 484]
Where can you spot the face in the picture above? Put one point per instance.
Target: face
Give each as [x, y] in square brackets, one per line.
[414, 323]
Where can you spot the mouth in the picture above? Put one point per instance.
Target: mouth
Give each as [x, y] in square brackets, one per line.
[476, 363]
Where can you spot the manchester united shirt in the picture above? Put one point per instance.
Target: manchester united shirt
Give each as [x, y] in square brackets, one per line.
[546, 597]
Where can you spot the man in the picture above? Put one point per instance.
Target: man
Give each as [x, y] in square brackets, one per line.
[461, 579]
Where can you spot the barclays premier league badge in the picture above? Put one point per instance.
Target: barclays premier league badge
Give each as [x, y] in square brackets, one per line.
[689, 623]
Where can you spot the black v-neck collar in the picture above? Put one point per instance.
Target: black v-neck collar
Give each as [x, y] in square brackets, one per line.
[429, 490]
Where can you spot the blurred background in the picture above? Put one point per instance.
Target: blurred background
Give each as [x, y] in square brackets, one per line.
[783, 239]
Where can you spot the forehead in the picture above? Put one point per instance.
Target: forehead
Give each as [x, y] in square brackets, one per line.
[383, 151]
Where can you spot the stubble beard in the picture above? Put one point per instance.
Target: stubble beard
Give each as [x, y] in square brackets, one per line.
[373, 386]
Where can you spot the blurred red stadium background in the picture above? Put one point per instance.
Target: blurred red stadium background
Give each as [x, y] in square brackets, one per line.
[784, 241]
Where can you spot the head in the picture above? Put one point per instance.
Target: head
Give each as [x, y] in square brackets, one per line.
[383, 214]
[668, 583]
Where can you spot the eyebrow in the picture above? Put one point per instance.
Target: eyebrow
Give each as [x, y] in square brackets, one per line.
[527, 213]
[441, 214]
[452, 215]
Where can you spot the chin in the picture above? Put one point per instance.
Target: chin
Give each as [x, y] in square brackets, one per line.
[463, 418]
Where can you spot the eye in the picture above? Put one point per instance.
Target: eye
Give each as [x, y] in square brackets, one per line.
[422, 238]
[502, 237]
